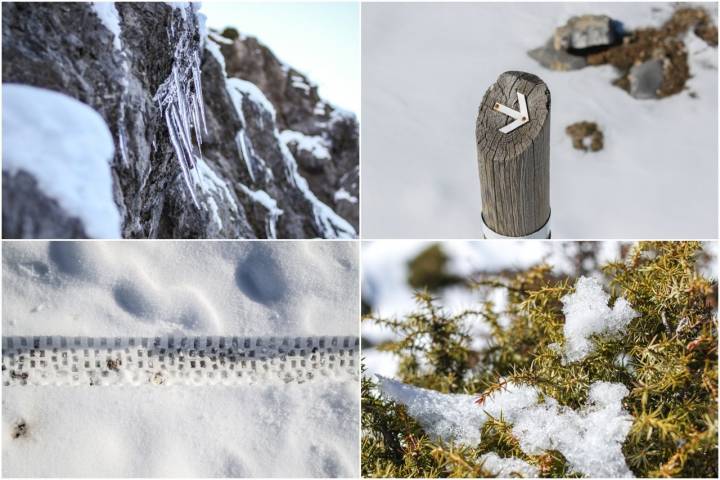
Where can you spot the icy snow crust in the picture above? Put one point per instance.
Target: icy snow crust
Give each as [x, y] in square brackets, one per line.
[314, 144]
[587, 313]
[590, 439]
[163, 288]
[67, 147]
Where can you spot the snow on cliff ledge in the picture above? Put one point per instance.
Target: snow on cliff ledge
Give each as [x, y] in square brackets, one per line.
[66, 146]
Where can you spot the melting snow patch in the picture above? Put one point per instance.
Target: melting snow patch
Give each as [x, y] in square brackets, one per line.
[299, 83]
[343, 194]
[587, 313]
[590, 439]
[108, 14]
[251, 91]
[219, 38]
[508, 467]
[67, 147]
[316, 145]
[270, 204]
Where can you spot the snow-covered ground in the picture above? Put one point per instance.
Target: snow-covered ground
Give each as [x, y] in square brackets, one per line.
[182, 288]
[425, 70]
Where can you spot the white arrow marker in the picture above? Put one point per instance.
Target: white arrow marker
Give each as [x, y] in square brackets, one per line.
[521, 117]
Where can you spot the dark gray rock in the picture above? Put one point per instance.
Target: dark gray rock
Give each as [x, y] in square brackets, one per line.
[645, 79]
[35, 215]
[558, 60]
[66, 48]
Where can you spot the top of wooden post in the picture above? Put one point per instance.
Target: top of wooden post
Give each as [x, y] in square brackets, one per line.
[514, 164]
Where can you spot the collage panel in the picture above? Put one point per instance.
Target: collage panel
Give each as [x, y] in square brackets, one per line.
[539, 359]
[180, 120]
[479, 119]
[180, 359]
[253, 239]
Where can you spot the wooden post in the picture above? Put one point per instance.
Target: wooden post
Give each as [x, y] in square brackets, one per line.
[515, 166]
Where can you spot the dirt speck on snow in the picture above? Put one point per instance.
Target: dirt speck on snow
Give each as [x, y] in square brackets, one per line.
[20, 429]
[586, 136]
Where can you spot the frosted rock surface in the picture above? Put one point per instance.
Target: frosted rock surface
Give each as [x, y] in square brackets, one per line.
[590, 438]
[508, 467]
[587, 313]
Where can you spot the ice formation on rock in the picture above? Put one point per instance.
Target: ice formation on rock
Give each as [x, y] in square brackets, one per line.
[587, 313]
[590, 438]
[180, 99]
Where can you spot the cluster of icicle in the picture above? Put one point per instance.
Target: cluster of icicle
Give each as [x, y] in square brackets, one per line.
[180, 101]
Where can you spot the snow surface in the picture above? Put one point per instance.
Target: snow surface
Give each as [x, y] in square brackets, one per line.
[590, 439]
[253, 93]
[67, 147]
[108, 14]
[508, 467]
[270, 204]
[160, 288]
[316, 145]
[655, 178]
[343, 194]
[587, 313]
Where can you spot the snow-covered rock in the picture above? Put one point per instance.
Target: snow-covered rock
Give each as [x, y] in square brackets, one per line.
[66, 148]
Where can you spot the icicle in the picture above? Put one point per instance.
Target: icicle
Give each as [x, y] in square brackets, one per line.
[198, 90]
[271, 224]
[240, 141]
[196, 122]
[172, 129]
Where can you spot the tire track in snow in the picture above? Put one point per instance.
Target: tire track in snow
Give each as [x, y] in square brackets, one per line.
[54, 360]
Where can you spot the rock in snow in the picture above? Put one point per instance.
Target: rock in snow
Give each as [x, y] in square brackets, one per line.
[590, 438]
[159, 81]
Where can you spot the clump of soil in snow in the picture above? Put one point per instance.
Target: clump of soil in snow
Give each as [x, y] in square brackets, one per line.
[20, 429]
[113, 365]
[663, 44]
[585, 136]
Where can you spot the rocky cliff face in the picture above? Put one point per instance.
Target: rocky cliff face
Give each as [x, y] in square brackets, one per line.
[198, 153]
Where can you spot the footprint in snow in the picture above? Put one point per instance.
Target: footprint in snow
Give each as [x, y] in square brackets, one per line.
[260, 277]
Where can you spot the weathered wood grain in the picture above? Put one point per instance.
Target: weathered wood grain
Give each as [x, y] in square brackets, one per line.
[515, 167]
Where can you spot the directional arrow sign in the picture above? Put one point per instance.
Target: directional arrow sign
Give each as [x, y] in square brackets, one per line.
[520, 118]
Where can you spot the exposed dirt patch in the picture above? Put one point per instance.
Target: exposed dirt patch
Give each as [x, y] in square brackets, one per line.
[113, 365]
[586, 136]
[20, 429]
[665, 44]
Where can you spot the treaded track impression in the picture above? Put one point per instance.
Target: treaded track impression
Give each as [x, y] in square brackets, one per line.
[176, 360]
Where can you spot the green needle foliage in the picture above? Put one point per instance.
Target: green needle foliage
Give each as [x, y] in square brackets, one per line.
[667, 358]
